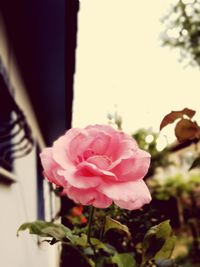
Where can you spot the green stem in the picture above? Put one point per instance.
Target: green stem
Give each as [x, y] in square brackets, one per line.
[102, 228]
[90, 224]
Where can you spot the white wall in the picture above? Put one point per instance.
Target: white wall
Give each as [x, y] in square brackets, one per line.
[18, 202]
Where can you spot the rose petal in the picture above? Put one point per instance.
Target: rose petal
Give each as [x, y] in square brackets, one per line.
[61, 148]
[47, 160]
[88, 197]
[128, 195]
[131, 205]
[89, 143]
[94, 170]
[100, 143]
[80, 179]
[102, 128]
[133, 168]
[112, 143]
[51, 168]
[127, 146]
[101, 162]
[79, 145]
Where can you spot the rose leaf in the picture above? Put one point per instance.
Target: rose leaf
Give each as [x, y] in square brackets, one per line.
[186, 130]
[113, 224]
[195, 164]
[158, 242]
[47, 229]
[124, 260]
[174, 115]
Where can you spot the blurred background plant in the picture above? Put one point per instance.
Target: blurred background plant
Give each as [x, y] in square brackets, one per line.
[182, 30]
[174, 180]
[184, 187]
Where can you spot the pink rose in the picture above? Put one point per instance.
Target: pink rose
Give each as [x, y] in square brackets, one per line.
[98, 165]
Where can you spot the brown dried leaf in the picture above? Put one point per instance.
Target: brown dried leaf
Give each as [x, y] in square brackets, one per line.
[189, 112]
[174, 115]
[186, 130]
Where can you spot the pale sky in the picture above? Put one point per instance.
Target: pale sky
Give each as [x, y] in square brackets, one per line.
[120, 62]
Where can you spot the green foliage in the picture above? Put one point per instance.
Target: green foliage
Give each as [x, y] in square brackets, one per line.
[47, 229]
[118, 259]
[115, 119]
[113, 224]
[124, 260]
[159, 243]
[158, 158]
[166, 263]
[172, 186]
[193, 183]
[141, 135]
[183, 29]
[195, 164]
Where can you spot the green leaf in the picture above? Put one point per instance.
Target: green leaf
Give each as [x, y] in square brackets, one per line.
[113, 224]
[91, 262]
[165, 263]
[81, 241]
[167, 249]
[47, 229]
[158, 242]
[56, 232]
[102, 246]
[100, 262]
[174, 115]
[195, 164]
[124, 260]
